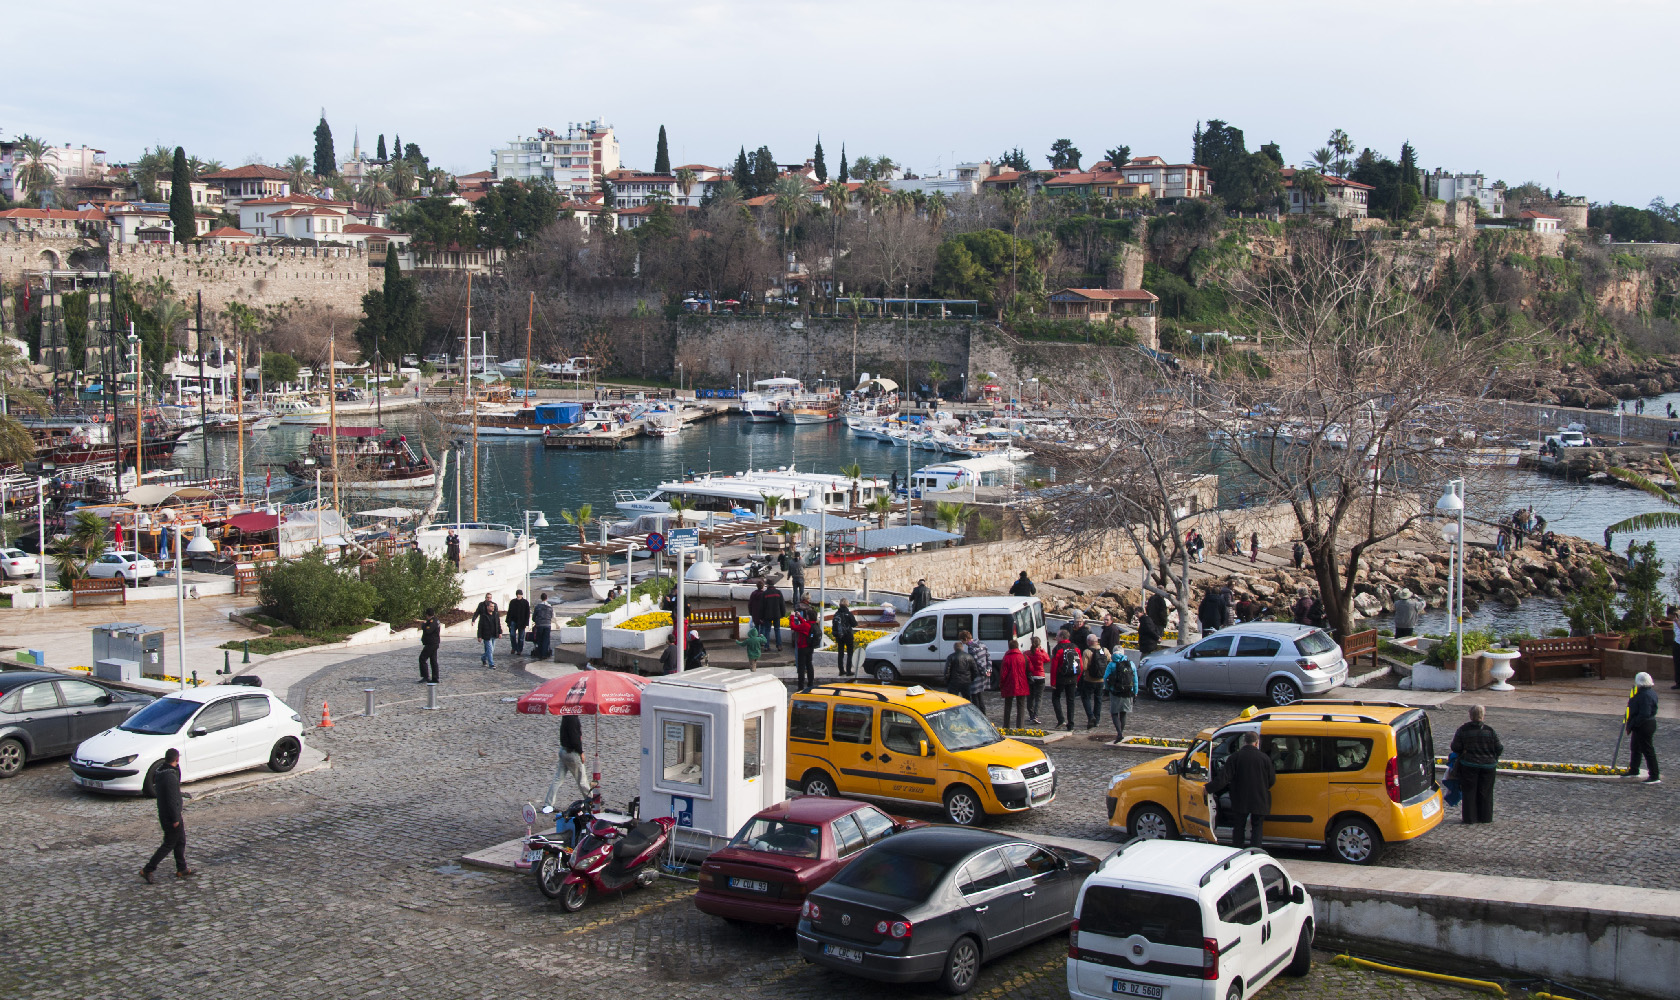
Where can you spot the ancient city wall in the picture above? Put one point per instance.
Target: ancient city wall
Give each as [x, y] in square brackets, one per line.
[259, 276]
[29, 251]
[718, 348]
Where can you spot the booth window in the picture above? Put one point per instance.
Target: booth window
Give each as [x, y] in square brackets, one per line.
[683, 756]
[752, 747]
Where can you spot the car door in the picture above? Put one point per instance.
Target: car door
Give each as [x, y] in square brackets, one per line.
[1251, 662]
[37, 710]
[1195, 810]
[993, 897]
[212, 744]
[905, 772]
[918, 647]
[90, 708]
[1049, 897]
[1284, 917]
[1300, 796]
[1243, 929]
[1225, 743]
[109, 565]
[853, 747]
[255, 734]
[1205, 666]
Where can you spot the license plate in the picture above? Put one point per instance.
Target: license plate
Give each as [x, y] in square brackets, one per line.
[853, 955]
[528, 857]
[1125, 987]
[89, 782]
[1431, 807]
[750, 885]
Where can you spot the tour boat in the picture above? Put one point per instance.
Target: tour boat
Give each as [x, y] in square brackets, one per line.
[763, 404]
[229, 423]
[367, 459]
[295, 411]
[812, 408]
[743, 494]
[577, 367]
[521, 422]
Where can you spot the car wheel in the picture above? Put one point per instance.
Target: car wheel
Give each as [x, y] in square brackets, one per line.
[12, 757]
[1301, 963]
[1162, 686]
[886, 673]
[147, 788]
[574, 895]
[1151, 822]
[1354, 840]
[1283, 691]
[551, 875]
[962, 967]
[1235, 992]
[284, 756]
[962, 806]
[817, 783]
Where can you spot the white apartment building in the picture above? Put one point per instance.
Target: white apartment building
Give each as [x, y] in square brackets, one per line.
[64, 161]
[962, 179]
[575, 162]
[247, 183]
[204, 195]
[1455, 187]
[301, 216]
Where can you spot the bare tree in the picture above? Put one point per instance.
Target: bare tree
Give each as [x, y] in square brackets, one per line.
[894, 248]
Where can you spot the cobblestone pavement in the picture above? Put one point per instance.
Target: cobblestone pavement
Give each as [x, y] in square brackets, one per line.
[344, 882]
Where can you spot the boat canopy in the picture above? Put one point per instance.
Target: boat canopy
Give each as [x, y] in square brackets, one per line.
[352, 432]
[883, 384]
[560, 414]
[153, 494]
[777, 383]
[254, 521]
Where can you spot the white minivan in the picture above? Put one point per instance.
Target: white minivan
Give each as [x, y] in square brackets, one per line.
[1176, 920]
[920, 647]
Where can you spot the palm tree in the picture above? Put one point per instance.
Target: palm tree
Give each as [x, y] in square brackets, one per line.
[773, 504]
[881, 506]
[686, 179]
[34, 176]
[202, 167]
[170, 314]
[788, 200]
[375, 193]
[400, 178]
[938, 206]
[17, 445]
[1656, 519]
[854, 472]
[302, 172]
[1323, 157]
[438, 179]
[953, 517]
[579, 520]
[872, 193]
[1312, 186]
[85, 542]
[1015, 205]
[902, 201]
[836, 193]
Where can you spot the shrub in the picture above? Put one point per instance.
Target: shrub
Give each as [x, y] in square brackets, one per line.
[408, 583]
[1475, 640]
[310, 593]
[659, 586]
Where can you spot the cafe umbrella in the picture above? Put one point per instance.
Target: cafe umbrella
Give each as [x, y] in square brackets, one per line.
[587, 692]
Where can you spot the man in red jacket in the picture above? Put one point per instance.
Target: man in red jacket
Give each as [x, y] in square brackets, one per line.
[805, 634]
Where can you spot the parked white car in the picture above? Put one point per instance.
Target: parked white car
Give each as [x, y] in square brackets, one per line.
[218, 729]
[1176, 920]
[18, 564]
[131, 566]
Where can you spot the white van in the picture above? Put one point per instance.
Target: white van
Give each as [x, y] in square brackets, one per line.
[920, 647]
[1175, 920]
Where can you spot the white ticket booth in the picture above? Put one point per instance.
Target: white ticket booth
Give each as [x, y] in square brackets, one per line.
[713, 751]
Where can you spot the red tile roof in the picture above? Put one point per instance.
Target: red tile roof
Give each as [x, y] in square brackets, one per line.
[477, 175]
[1329, 180]
[291, 212]
[1530, 214]
[1111, 294]
[63, 214]
[228, 233]
[251, 171]
[297, 199]
[365, 230]
[1004, 177]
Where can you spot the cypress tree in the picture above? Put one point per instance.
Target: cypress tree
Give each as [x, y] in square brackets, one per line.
[822, 168]
[180, 199]
[662, 155]
[843, 168]
[743, 176]
[325, 162]
[380, 152]
[764, 170]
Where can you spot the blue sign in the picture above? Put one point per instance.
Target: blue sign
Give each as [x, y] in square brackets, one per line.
[684, 538]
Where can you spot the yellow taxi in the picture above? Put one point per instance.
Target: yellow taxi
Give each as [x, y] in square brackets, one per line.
[1351, 777]
[912, 745]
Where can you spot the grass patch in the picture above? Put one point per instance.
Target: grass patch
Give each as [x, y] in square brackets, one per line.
[285, 637]
[1402, 653]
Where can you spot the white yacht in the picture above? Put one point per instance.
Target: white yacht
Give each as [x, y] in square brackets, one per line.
[765, 402]
[743, 494]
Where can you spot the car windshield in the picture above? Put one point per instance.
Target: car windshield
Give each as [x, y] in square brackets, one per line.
[963, 728]
[163, 717]
[892, 874]
[1314, 643]
[779, 836]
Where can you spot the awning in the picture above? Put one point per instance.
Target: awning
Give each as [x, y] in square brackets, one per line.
[776, 383]
[254, 521]
[383, 512]
[352, 432]
[884, 384]
[156, 493]
[893, 538]
[833, 522]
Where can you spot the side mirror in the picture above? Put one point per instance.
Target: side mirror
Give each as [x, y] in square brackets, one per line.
[926, 751]
[1172, 767]
[1299, 896]
[199, 731]
[103, 701]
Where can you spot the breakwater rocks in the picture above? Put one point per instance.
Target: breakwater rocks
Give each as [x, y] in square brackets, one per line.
[1595, 463]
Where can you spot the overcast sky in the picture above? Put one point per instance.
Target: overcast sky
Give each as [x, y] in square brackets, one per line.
[1570, 95]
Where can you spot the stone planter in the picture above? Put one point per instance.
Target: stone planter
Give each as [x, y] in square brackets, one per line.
[620, 638]
[571, 634]
[1500, 668]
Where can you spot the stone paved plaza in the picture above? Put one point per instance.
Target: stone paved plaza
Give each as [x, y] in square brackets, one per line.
[345, 882]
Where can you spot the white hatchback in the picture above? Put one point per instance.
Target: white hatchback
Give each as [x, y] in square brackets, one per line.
[130, 566]
[218, 729]
[1174, 920]
[18, 564]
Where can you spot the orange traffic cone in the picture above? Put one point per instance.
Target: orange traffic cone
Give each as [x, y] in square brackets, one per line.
[326, 716]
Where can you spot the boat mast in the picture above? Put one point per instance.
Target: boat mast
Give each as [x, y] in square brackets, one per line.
[139, 416]
[238, 400]
[530, 311]
[474, 392]
[332, 410]
[203, 419]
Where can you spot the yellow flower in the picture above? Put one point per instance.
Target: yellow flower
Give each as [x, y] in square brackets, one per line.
[647, 622]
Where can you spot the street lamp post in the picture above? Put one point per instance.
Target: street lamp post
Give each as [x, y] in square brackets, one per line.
[200, 545]
[541, 522]
[1452, 502]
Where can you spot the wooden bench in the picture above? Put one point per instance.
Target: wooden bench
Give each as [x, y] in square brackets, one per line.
[245, 580]
[712, 619]
[1571, 651]
[116, 586]
[1360, 644]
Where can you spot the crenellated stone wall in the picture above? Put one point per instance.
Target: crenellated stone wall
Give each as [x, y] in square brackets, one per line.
[31, 251]
[259, 276]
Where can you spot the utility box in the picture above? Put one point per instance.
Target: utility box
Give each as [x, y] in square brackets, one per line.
[123, 671]
[714, 745]
[130, 641]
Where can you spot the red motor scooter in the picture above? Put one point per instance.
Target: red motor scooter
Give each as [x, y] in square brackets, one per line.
[609, 859]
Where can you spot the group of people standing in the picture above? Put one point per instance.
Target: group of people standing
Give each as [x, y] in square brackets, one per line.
[524, 621]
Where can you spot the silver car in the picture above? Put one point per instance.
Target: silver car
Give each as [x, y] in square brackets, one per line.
[1280, 661]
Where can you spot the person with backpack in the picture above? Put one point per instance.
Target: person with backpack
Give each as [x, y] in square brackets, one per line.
[1093, 665]
[1038, 663]
[806, 634]
[1013, 685]
[1120, 685]
[960, 668]
[1064, 677]
[844, 627]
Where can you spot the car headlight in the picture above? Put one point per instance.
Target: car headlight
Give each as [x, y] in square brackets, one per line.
[1005, 775]
[121, 761]
[1122, 776]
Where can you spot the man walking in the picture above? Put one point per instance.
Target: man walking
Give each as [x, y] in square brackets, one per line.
[1642, 726]
[452, 549]
[489, 619]
[845, 637]
[166, 784]
[570, 765]
[1064, 677]
[1478, 749]
[796, 577]
[1022, 587]
[921, 597]
[431, 633]
[755, 609]
[1121, 687]
[982, 670]
[1298, 553]
[1249, 776]
[805, 632]
[518, 619]
[775, 609]
[542, 627]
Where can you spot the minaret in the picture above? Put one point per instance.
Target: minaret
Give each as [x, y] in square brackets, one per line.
[356, 146]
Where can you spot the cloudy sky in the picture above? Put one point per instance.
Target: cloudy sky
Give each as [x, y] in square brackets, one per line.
[1565, 94]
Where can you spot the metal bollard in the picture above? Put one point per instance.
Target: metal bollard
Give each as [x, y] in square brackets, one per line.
[431, 696]
[368, 710]
[247, 652]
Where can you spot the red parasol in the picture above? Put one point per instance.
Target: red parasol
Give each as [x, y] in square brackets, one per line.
[587, 692]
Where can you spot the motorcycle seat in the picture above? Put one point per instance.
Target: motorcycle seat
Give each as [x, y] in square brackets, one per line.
[636, 841]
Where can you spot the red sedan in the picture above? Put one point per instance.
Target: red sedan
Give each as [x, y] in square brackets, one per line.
[785, 852]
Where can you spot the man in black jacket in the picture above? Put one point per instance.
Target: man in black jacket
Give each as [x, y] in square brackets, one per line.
[1078, 632]
[542, 627]
[1110, 635]
[518, 619]
[489, 620]
[844, 626]
[1156, 608]
[570, 765]
[166, 785]
[1148, 635]
[1249, 776]
[1642, 726]
[960, 670]
[1022, 587]
[1478, 749]
[431, 633]
[775, 609]
[921, 597]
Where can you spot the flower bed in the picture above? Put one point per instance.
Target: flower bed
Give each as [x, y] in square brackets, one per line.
[651, 620]
[1034, 733]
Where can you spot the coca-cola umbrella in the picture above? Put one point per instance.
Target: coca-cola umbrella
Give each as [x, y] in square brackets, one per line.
[587, 692]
